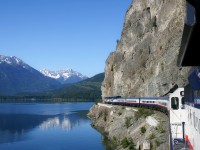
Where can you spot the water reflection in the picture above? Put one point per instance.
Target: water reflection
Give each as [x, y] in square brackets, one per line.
[13, 127]
[65, 122]
[16, 127]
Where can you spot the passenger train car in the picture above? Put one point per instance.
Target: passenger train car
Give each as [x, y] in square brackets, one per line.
[159, 103]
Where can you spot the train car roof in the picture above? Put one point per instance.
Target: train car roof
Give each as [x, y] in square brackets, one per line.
[150, 98]
[155, 98]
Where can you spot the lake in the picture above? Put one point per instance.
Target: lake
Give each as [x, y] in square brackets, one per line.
[47, 126]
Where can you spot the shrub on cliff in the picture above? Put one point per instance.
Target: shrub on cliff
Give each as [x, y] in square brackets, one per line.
[143, 112]
[128, 143]
[160, 128]
[128, 122]
[143, 130]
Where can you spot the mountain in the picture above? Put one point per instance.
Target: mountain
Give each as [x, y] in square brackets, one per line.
[18, 77]
[64, 76]
[89, 89]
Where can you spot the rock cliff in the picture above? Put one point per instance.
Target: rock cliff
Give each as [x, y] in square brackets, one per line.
[129, 128]
[144, 63]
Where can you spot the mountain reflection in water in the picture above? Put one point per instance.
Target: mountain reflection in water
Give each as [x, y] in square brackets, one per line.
[15, 127]
[47, 126]
[66, 122]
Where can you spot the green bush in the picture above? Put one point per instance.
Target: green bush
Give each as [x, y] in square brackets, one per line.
[128, 143]
[160, 128]
[128, 122]
[125, 143]
[132, 145]
[114, 142]
[143, 112]
[143, 130]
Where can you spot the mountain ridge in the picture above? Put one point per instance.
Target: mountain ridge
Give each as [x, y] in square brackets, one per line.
[89, 89]
[67, 76]
[20, 80]
[16, 76]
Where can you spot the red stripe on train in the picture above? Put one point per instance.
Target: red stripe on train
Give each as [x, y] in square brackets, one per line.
[189, 143]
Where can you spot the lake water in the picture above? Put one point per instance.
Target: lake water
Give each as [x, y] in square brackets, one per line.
[52, 126]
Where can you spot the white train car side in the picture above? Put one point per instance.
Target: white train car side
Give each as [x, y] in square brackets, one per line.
[177, 115]
[132, 101]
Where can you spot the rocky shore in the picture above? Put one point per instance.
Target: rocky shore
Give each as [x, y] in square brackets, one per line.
[127, 128]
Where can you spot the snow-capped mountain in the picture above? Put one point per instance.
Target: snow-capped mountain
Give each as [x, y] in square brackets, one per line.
[18, 77]
[64, 76]
[14, 61]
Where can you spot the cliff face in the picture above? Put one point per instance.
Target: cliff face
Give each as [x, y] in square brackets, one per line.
[126, 127]
[144, 63]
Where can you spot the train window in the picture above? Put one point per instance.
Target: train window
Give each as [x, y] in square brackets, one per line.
[182, 93]
[174, 103]
[183, 100]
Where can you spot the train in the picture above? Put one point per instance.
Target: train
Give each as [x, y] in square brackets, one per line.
[158, 103]
[174, 101]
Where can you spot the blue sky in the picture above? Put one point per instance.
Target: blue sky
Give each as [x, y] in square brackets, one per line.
[59, 34]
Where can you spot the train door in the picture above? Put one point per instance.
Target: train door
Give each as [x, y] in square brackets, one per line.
[177, 114]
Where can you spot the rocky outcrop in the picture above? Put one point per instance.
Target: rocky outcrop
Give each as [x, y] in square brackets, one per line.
[144, 63]
[128, 127]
